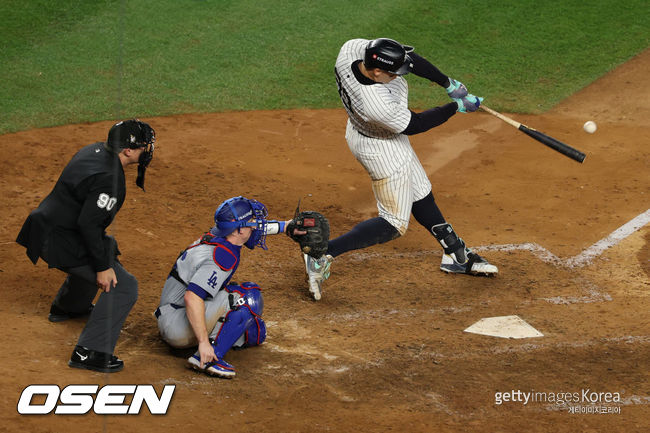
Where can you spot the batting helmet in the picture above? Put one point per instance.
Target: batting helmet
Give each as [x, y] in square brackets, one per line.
[388, 55]
[238, 212]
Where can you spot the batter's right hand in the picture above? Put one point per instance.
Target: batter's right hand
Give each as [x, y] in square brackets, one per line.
[106, 280]
[206, 351]
[469, 103]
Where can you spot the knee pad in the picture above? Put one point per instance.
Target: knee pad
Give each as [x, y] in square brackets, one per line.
[246, 295]
[255, 334]
[243, 319]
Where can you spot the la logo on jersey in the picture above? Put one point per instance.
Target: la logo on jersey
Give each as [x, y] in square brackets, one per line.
[81, 399]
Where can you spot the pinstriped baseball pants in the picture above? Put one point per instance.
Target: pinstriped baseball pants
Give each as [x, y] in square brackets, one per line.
[398, 178]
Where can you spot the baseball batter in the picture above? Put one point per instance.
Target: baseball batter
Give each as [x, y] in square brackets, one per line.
[369, 75]
[199, 302]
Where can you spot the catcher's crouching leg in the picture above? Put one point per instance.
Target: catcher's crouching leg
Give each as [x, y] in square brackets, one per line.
[242, 326]
[255, 333]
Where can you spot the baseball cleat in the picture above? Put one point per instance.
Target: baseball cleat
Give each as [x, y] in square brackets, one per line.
[219, 368]
[475, 265]
[318, 270]
[87, 359]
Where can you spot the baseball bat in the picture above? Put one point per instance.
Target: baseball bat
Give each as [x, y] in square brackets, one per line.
[551, 142]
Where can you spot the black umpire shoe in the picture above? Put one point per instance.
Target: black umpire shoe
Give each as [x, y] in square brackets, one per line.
[59, 315]
[85, 358]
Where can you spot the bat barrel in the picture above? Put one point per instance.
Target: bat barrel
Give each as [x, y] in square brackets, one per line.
[554, 144]
[551, 142]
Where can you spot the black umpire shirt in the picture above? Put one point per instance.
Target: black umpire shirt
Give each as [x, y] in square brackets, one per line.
[71, 221]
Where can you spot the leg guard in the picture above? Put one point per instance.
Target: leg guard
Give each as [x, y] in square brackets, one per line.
[451, 243]
[255, 334]
[243, 324]
[235, 324]
[457, 257]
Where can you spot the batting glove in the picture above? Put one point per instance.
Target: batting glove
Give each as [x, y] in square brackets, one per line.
[469, 103]
[456, 89]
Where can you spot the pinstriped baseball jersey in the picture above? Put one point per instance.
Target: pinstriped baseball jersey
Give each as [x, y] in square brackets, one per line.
[378, 110]
[377, 114]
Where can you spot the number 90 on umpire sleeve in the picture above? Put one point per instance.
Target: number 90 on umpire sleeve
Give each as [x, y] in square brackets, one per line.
[106, 201]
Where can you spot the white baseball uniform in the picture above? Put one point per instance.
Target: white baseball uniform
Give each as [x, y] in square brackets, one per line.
[204, 268]
[377, 115]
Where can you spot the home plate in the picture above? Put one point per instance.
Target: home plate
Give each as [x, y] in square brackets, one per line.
[504, 327]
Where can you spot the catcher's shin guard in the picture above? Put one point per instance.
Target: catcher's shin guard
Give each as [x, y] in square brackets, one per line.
[234, 326]
[457, 258]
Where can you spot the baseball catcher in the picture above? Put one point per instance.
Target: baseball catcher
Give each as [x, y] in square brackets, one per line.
[200, 305]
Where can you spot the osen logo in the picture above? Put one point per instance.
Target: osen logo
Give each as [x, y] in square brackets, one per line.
[80, 399]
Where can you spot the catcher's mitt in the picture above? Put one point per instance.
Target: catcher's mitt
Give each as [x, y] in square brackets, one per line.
[314, 242]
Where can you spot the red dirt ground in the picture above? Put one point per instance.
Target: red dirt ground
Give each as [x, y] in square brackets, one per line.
[385, 349]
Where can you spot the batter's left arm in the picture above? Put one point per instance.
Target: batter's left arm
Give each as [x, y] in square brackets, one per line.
[423, 68]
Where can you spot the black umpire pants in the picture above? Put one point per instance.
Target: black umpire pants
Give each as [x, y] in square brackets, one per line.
[105, 322]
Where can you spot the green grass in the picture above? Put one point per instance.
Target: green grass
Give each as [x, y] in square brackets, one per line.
[82, 61]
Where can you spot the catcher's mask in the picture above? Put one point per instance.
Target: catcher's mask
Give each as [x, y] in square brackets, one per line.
[388, 55]
[238, 212]
[133, 134]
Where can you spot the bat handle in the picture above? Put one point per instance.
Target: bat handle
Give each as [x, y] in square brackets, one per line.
[501, 116]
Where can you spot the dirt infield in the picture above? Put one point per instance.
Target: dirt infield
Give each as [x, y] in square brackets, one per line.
[384, 350]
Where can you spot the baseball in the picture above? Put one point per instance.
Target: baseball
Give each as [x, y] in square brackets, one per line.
[590, 126]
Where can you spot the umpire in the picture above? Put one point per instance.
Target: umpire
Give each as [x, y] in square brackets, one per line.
[68, 231]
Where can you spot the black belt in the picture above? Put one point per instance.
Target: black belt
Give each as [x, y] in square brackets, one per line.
[174, 306]
[369, 136]
[363, 133]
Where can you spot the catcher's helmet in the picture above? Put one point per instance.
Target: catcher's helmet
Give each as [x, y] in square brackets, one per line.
[239, 212]
[388, 55]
